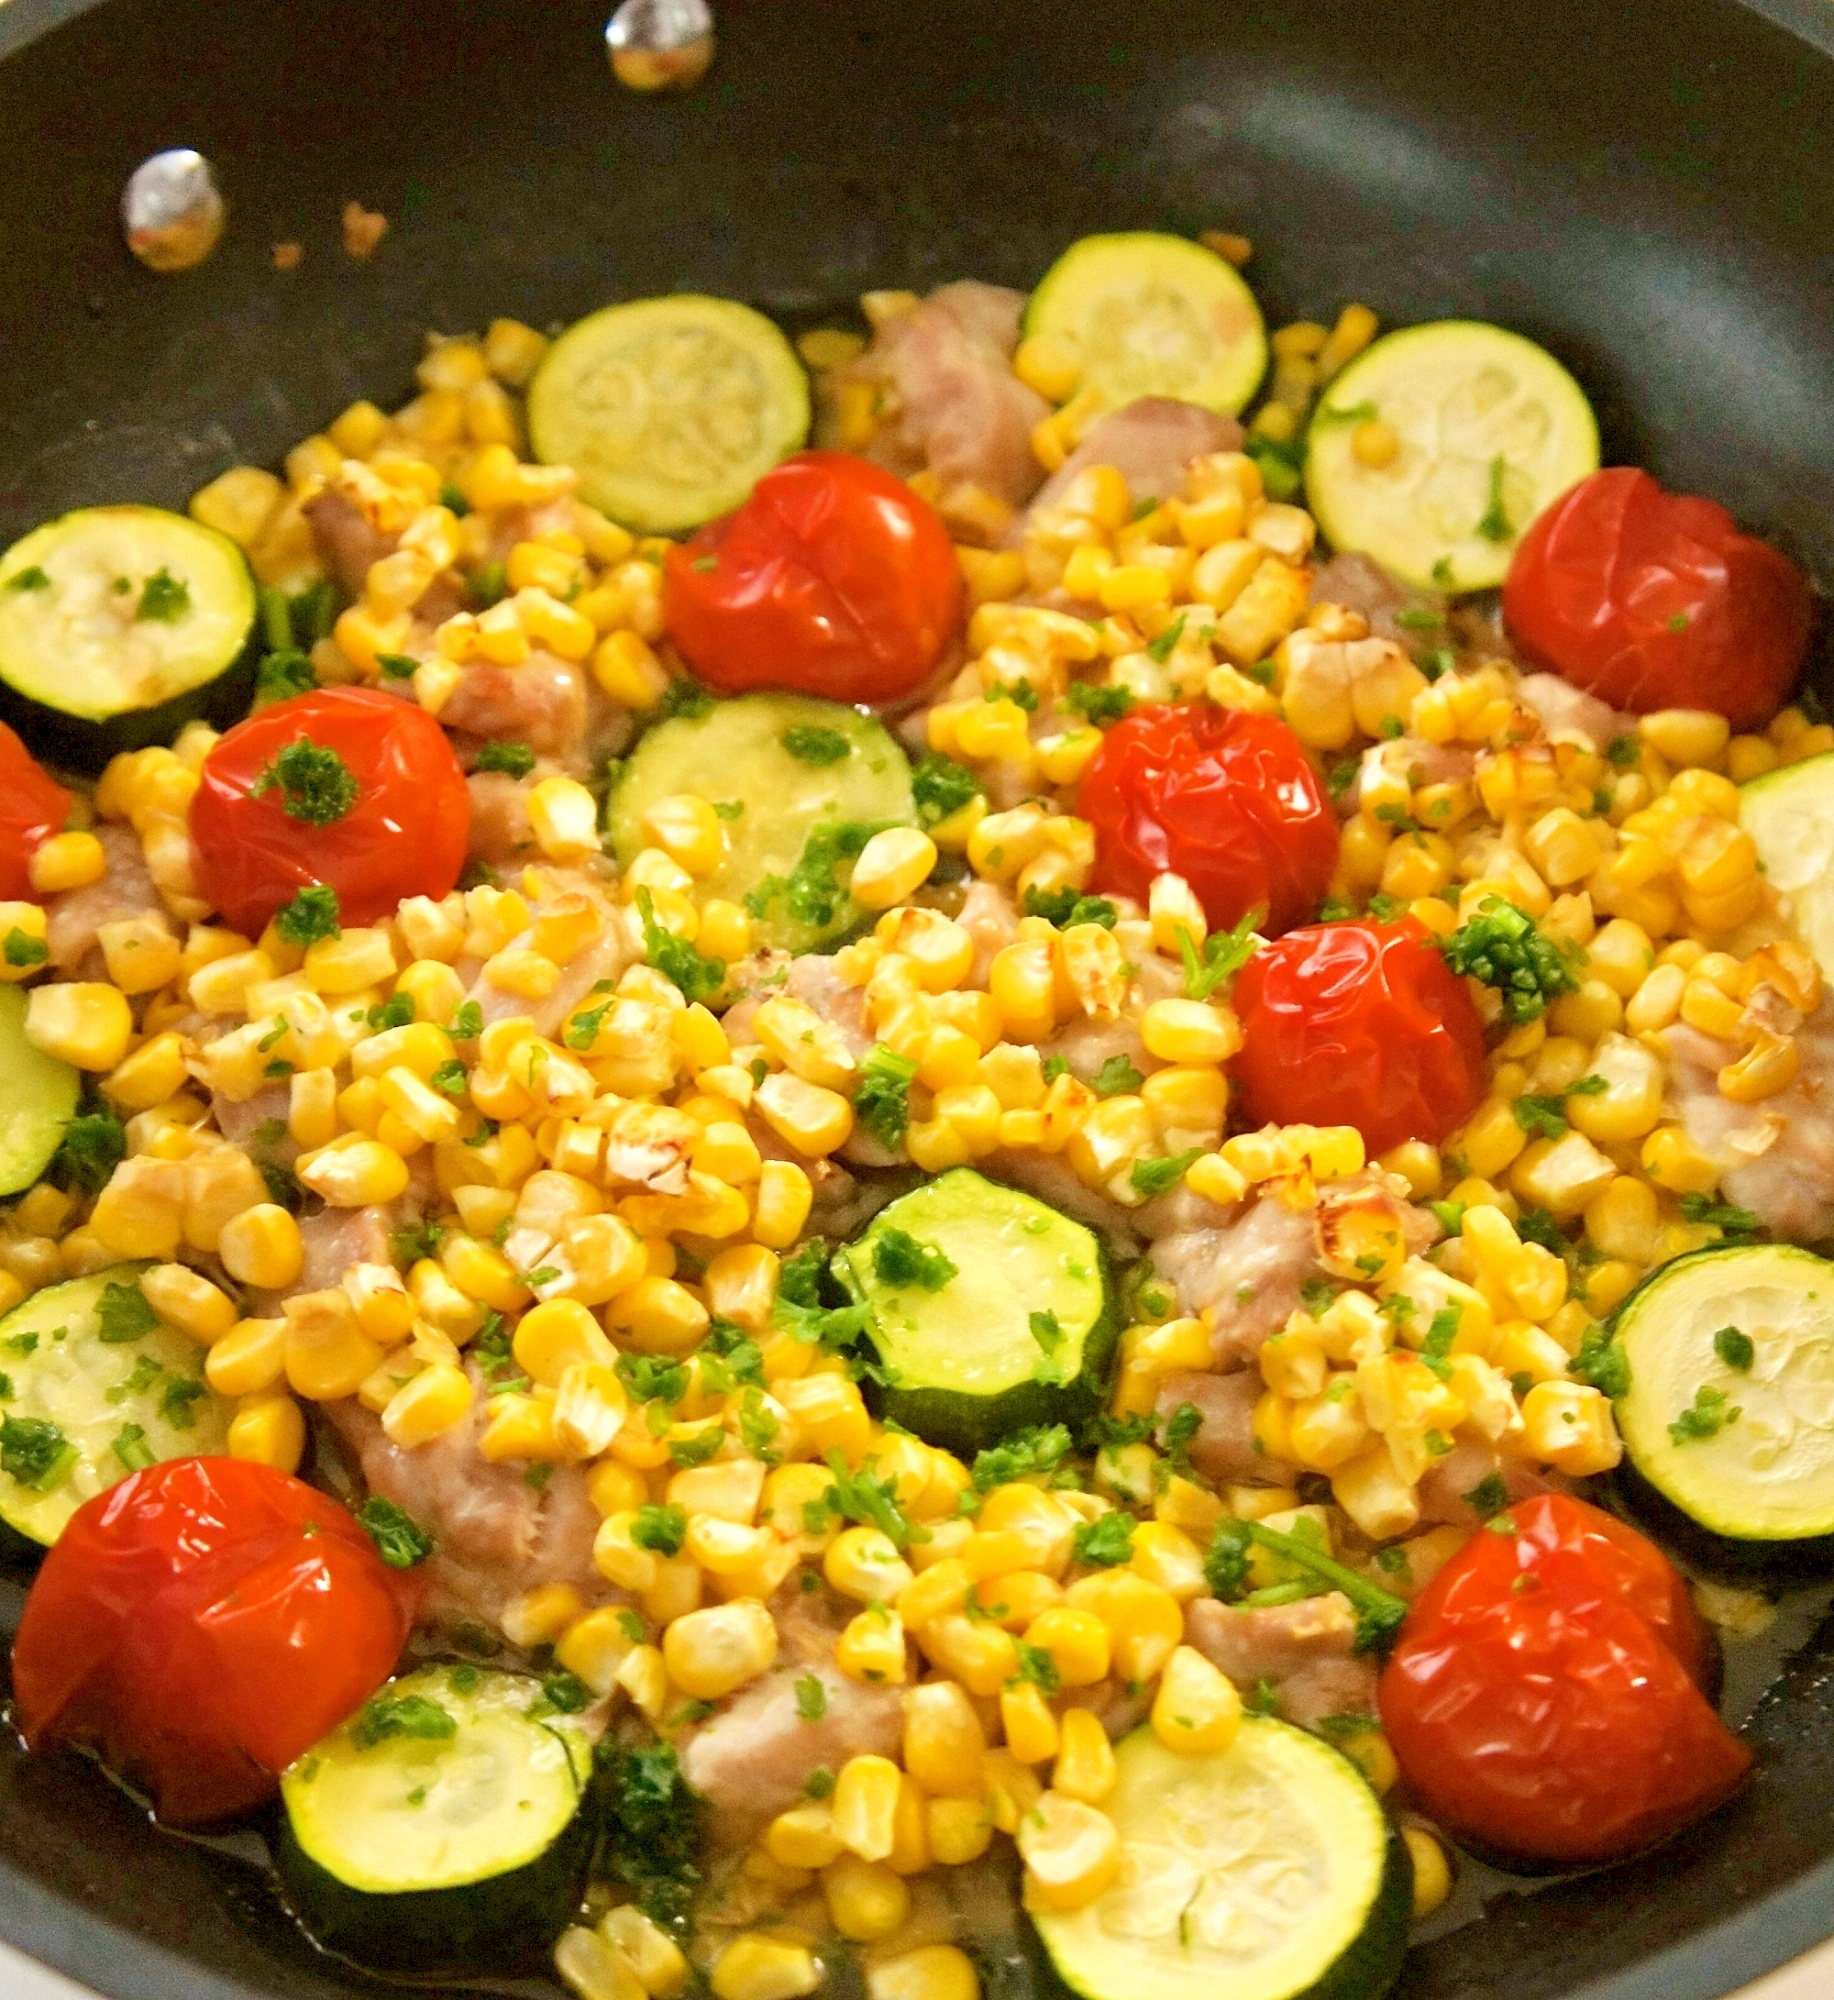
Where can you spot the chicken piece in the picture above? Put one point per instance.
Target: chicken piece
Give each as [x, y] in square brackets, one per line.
[951, 404]
[1246, 1270]
[990, 919]
[1303, 1652]
[1359, 583]
[541, 703]
[1568, 715]
[239, 1123]
[125, 890]
[1446, 1487]
[501, 836]
[344, 538]
[1776, 1157]
[1051, 1178]
[1223, 1449]
[494, 1536]
[604, 959]
[1150, 443]
[1413, 758]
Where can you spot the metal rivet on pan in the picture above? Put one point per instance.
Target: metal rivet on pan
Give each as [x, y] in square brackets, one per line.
[660, 44]
[172, 210]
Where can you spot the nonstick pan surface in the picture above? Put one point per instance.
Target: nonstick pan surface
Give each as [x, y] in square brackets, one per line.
[1647, 187]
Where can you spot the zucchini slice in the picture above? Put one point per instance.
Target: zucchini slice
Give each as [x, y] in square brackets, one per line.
[1021, 1334]
[118, 625]
[1266, 1872]
[798, 784]
[38, 1098]
[96, 1387]
[1491, 430]
[1151, 315]
[441, 1830]
[670, 410]
[1790, 815]
[1746, 1330]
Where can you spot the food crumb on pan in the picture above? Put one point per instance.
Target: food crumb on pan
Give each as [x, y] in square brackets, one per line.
[1237, 249]
[288, 256]
[364, 228]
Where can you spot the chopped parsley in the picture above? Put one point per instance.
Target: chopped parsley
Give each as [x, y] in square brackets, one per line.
[131, 1448]
[941, 787]
[660, 1527]
[858, 1496]
[123, 1314]
[563, 1692]
[400, 1540]
[164, 599]
[1097, 703]
[1047, 1331]
[811, 1697]
[809, 892]
[1623, 751]
[1222, 955]
[397, 666]
[698, 1446]
[467, 1023]
[1735, 1349]
[311, 915]
[449, 1077]
[35, 1452]
[1436, 1349]
[1379, 1612]
[820, 1782]
[1489, 1496]
[385, 1715]
[1540, 1117]
[1161, 648]
[1601, 1362]
[1502, 946]
[652, 1830]
[684, 696]
[1020, 693]
[1027, 1454]
[144, 1373]
[514, 760]
[1105, 1542]
[810, 744]
[175, 1404]
[899, 1259]
[22, 948]
[1180, 1433]
[94, 1144]
[1156, 1177]
[1036, 1666]
[698, 978]
[29, 579]
[315, 785]
[1116, 1076]
[1719, 1215]
[1064, 907]
[1493, 523]
[1707, 1417]
[882, 1103]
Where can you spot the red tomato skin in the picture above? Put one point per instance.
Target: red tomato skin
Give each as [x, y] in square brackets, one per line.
[1363, 1024]
[1227, 800]
[1600, 579]
[405, 836]
[1561, 1722]
[33, 806]
[833, 579]
[202, 1624]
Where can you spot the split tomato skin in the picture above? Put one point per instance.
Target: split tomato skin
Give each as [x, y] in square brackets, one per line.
[1545, 1698]
[834, 579]
[1359, 1023]
[1225, 799]
[1653, 600]
[33, 806]
[202, 1624]
[404, 835]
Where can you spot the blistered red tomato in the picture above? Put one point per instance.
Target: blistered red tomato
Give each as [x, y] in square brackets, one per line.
[833, 579]
[1359, 1024]
[389, 817]
[1656, 600]
[201, 1625]
[33, 806]
[1544, 1699]
[1225, 799]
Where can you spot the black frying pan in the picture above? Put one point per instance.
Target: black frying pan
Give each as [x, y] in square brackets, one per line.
[1647, 186]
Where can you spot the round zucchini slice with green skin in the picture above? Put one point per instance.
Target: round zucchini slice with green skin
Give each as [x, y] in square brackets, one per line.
[1266, 1872]
[1152, 315]
[95, 1386]
[118, 625]
[799, 785]
[443, 1830]
[1730, 1409]
[1790, 815]
[671, 410]
[38, 1098]
[1492, 429]
[990, 1311]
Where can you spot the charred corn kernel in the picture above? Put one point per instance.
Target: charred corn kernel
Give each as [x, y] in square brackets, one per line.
[756, 1967]
[1375, 1496]
[1705, 1007]
[1077, 1641]
[83, 1023]
[944, 1743]
[864, 1564]
[269, 1430]
[1569, 1425]
[1673, 1161]
[865, 1806]
[249, 1359]
[327, 1353]
[803, 1837]
[805, 1115]
[710, 1653]
[1196, 1711]
[1071, 1852]
[813, 1049]
[360, 1174]
[1767, 1068]
[140, 1213]
[892, 866]
[188, 1301]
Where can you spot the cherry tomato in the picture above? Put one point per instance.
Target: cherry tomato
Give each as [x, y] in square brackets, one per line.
[1360, 1024]
[396, 826]
[1655, 600]
[833, 579]
[1544, 1700]
[33, 806]
[201, 1625]
[1226, 800]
